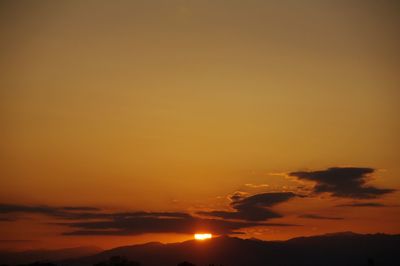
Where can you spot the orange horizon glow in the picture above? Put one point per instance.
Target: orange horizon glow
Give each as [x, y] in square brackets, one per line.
[202, 236]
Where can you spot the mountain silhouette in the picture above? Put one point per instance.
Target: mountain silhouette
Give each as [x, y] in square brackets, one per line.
[331, 249]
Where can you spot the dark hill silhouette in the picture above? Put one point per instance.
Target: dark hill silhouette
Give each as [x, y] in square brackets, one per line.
[330, 249]
[30, 256]
[344, 249]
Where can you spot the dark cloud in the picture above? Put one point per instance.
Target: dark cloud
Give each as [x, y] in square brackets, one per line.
[94, 221]
[320, 217]
[43, 209]
[80, 213]
[142, 225]
[13, 208]
[362, 204]
[253, 214]
[253, 208]
[347, 182]
[79, 208]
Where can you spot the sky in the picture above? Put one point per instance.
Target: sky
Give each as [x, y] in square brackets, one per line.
[133, 121]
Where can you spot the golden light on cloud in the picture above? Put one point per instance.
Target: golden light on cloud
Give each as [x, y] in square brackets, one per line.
[202, 236]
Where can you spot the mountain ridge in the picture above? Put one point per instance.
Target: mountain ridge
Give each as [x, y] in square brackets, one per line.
[342, 248]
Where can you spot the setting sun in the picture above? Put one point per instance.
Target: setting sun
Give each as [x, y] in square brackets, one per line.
[202, 236]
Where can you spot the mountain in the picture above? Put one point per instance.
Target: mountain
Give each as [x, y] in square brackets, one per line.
[332, 249]
[30, 256]
[344, 249]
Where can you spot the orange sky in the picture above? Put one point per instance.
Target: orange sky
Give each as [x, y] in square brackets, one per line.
[172, 106]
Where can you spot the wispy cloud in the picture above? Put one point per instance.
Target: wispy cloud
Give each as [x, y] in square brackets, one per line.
[362, 204]
[319, 217]
[249, 185]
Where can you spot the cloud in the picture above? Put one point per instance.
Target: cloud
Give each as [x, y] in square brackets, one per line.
[346, 182]
[94, 221]
[252, 208]
[12, 208]
[362, 204]
[67, 212]
[238, 195]
[79, 208]
[142, 225]
[319, 217]
[160, 222]
[80, 212]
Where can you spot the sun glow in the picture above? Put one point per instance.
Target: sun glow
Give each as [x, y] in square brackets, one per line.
[202, 236]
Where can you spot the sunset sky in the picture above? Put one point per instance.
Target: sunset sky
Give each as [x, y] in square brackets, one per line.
[132, 121]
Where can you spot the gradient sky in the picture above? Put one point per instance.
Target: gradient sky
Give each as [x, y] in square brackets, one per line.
[175, 106]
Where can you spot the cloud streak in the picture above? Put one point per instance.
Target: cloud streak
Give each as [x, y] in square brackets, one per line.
[142, 225]
[362, 204]
[320, 217]
[94, 221]
[64, 212]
